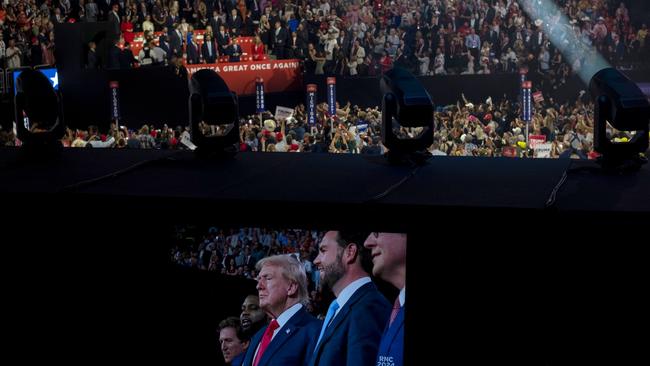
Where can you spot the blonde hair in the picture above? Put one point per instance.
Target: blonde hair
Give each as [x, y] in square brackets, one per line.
[292, 270]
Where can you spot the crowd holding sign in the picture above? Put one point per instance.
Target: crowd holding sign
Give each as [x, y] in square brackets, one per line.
[534, 140]
[543, 150]
[283, 112]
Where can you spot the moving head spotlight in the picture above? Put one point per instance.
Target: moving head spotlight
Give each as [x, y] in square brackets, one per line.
[407, 114]
[214, 114]
[619, 101]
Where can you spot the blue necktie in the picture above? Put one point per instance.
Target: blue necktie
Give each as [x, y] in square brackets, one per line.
[328, 318]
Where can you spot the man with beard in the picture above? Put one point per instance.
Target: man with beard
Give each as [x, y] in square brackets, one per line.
[353, 326]
[388, 252]
[252, 317]
[289, 338]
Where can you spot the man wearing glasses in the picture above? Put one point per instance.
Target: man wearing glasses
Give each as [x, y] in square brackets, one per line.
[388, 251]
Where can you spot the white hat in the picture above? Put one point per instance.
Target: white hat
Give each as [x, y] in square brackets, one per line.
[539, 22]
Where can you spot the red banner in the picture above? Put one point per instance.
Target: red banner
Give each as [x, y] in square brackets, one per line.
[278, 75]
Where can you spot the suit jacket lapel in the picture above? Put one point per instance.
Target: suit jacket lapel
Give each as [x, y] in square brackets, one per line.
[287, 331]
[255, 341]
[343, 313]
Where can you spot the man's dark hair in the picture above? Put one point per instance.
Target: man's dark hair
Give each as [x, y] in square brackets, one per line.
[345, 237]
[234, 322]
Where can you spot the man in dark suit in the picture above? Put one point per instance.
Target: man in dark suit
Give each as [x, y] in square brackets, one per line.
[354, 323]
[193, 52]
[176, 64]
[280, 39]
[215, 21]
[234, 51]
[176, 41]
[209, 50]
[389, 263]
[223, 39]
[234, 22]
[114, 20]
[289, 338]
[491, 14]
[114, 55]
[93, 60]
[127, 59]
[295, 47]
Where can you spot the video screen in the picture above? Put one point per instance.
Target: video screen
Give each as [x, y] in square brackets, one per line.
[318, 292]
[51, 73]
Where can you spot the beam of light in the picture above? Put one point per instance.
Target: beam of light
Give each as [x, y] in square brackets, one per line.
[583, 58]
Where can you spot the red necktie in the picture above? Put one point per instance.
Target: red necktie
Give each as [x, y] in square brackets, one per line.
[393, 314]
[266, 339]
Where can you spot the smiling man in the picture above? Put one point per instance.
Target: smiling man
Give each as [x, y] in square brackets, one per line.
[388, 251]
[352, 329]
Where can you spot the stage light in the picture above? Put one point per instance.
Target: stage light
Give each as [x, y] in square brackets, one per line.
[407, 115]
[38, 113]
[619, 101]
[214, 115]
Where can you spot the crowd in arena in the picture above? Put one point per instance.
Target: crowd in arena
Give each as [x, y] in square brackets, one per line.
[488, 128]
[235, 252]
[355, 38]
[343, 37]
